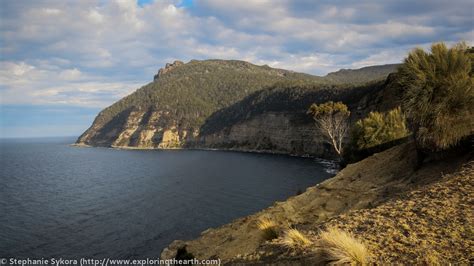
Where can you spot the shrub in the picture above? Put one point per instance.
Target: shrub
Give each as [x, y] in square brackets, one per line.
[439, 96]
[268, 228]
[294, 239]
[340, 247]
[378, 128]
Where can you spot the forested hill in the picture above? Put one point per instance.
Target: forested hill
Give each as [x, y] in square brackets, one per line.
[171, 110]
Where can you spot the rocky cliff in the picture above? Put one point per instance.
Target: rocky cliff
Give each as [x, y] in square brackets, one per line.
[168, 67]
[275, 120]
[230, 105]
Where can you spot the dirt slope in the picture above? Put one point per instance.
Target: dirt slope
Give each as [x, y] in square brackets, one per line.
[432, 225]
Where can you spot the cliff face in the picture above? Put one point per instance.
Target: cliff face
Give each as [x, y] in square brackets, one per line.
[274, 132]
[277, 132]
[227, 105]
[141, 129]
[275, 120]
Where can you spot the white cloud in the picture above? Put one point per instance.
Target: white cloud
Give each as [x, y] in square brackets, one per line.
[381, 58]
[20, 69]
[27, 84]
[92, 52]
[70, 74]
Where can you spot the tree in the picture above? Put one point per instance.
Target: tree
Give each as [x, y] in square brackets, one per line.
[439, 96]
[332, 119]
[378, 128]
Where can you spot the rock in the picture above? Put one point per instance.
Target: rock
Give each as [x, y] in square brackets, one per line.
[171, 251]
[168, 67]
[272, 132]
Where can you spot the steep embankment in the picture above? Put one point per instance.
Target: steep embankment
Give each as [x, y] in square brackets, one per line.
[231, 105]
[372, 184]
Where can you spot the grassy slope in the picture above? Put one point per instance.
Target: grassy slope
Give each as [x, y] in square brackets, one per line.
[366, 184]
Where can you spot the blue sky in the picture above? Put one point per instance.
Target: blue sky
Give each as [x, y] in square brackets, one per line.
[63, 61]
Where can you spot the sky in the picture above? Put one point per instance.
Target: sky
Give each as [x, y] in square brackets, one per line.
[61, 62]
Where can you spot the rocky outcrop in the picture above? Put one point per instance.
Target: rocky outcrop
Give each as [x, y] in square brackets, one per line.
[168, 67]
[139, 129]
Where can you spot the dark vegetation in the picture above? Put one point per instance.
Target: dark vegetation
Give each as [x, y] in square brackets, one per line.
[288, 98]
[183, 255]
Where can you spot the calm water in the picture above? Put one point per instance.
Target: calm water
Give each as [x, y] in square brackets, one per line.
[62, 201]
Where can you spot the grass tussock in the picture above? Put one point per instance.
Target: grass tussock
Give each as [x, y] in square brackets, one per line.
[294, 239]
[340, 247]
[268, 228]
[429, 258]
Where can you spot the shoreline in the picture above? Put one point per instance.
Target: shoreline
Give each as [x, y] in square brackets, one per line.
[330, 165]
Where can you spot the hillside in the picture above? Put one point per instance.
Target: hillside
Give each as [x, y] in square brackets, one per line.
[376, 199]
[193, 104]
[362, 75]
[171, 109]
[275, 119]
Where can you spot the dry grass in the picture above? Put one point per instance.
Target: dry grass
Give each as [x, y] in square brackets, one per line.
[340, 247]
[430, 225]
[294, 239]
[268, 228]
[430, 258]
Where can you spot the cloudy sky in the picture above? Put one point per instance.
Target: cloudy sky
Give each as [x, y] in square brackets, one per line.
[62, 61]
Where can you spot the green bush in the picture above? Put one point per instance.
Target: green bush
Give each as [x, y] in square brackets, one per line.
[439, 96]
[378, 128]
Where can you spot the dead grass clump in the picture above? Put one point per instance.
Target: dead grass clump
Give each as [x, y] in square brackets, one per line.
[429, 258]
[268, 228]
[294, 239]
[340, 247]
